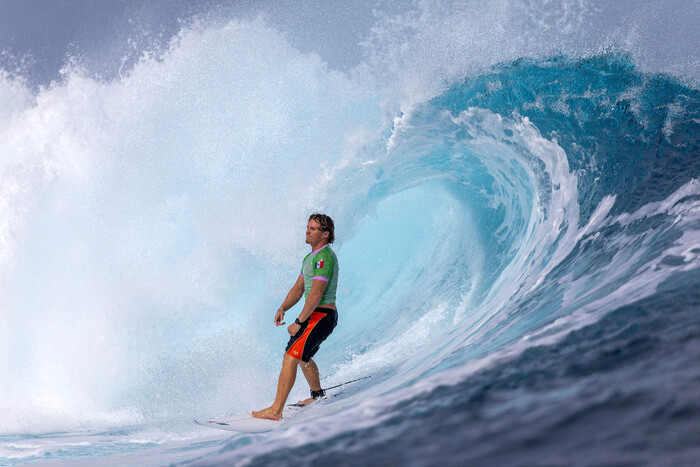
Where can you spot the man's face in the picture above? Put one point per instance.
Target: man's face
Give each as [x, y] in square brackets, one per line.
[314, 234]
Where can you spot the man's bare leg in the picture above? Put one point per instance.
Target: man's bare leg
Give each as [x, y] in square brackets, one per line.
[311, 374]
[288, 375]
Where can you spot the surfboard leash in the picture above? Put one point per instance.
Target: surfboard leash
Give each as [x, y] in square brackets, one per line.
[343, 384]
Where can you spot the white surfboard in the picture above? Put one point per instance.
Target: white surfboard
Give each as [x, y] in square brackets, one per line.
[250, 424]
[243, 424]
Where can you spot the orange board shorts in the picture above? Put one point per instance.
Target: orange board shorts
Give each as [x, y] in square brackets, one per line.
[305, 343]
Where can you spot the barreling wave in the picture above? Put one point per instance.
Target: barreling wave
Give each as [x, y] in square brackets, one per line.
[520, 206]
[500, 217]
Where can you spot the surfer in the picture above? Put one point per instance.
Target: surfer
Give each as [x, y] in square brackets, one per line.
[317, 283]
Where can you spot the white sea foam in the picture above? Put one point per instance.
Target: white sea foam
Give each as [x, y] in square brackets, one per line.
[142, 218]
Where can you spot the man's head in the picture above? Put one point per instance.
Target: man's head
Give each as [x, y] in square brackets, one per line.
[325, 224]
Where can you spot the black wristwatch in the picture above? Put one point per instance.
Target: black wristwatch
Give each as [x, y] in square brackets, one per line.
[296, 321]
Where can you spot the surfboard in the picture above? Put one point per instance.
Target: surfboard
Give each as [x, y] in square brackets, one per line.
[243, 424]
[249, 424]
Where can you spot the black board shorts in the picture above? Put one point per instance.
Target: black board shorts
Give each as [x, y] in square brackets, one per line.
[305, 343]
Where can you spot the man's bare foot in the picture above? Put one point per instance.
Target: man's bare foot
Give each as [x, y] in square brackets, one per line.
[308, 401]
[268, 414]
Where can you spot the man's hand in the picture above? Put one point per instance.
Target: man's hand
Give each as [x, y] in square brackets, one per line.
[293, 329]
[279, 317]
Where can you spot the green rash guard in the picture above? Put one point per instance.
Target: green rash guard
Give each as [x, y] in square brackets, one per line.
[321, 264]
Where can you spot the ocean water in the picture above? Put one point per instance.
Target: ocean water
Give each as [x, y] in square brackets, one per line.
[516, 190]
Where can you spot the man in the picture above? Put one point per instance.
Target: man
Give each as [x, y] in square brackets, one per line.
[317, 282]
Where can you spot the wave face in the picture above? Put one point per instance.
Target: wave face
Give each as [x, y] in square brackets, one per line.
[519, 250]
[556, 274]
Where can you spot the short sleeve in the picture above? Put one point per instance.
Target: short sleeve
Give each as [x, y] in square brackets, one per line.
[323, 263]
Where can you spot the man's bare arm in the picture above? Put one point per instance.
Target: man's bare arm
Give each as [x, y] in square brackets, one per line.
[314, 298]
[312, 301]
[293, 297]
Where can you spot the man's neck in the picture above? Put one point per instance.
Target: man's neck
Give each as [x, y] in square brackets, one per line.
[318, 246]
